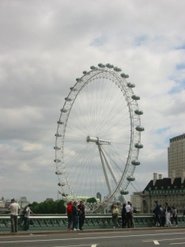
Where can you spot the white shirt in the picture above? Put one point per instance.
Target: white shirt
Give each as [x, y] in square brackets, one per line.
[27, 213]
[14, 208]
[128, 208]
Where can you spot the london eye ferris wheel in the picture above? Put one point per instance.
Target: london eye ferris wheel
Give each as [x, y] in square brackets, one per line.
[98, 135]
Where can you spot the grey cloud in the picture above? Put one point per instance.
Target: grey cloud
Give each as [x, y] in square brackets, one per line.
[44, 47]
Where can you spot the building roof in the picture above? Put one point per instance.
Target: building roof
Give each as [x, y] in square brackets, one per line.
[176, 138]
[165, 183]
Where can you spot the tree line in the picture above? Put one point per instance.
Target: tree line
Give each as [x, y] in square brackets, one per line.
[50, 206]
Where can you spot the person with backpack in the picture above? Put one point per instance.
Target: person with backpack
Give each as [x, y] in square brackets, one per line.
[69, 210]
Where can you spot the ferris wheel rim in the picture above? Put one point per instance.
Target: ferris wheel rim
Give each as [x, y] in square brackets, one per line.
[132, 106]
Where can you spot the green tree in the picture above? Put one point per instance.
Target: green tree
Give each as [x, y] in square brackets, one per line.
[49, 207]
[91, 200]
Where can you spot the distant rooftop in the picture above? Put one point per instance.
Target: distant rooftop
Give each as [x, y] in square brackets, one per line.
[165, 183]
[176, 138]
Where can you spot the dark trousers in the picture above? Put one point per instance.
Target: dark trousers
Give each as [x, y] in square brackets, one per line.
[81, 221]
[14, 223]
[26, 223]
[123, 221]
[75, 221]
[70, 221]
[129, 220]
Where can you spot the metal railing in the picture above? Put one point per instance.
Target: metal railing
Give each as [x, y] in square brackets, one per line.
[59, 222]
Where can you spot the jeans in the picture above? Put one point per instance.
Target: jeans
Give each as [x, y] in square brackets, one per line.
[14, 223]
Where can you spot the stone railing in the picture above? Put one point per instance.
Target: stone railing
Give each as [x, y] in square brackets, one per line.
[59, 222]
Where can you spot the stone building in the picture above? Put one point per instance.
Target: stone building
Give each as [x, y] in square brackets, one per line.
[164, 190]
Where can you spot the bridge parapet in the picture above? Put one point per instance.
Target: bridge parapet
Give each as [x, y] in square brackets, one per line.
[59, 222]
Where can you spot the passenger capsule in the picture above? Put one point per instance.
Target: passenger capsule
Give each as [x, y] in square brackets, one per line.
[124, 75]
[138, 112]
[135, 97]
[73, 89]
[139, 145]
[63, 110]
[58, 135]
[57, 148]
[130, 178]
[124, 192]
[110, 66]
[68, 99]
[117, 69]
[139, 128]
[57, 160]
[64, 195]
[101, 65]
[131, 85]
[58, 173]
[61, 184]
[135, 162]
[60, 122]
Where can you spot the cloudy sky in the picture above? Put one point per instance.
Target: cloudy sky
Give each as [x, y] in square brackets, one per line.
[45, 45]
